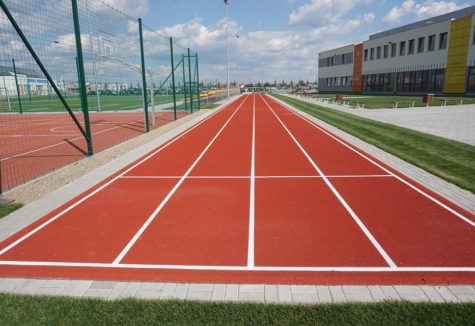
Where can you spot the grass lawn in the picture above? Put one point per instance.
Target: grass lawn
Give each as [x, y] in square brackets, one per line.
[387, 101]
[448, 159]
[27, 310]
[7, 209]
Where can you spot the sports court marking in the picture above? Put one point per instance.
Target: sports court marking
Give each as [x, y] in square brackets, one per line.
[242, 122]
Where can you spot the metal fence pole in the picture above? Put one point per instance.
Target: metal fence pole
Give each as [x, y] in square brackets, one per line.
[185, 92]
[17, 86]
[189, 76]
[173, 78]
[81, 77]
[198, 81]
[144, 78]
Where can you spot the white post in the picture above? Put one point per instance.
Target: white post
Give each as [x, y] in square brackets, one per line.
[152, 99]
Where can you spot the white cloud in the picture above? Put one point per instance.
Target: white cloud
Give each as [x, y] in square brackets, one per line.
[321, 12]
[136, 8]
[422, 10]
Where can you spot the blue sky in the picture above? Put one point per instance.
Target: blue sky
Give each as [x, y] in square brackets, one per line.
[278, 39]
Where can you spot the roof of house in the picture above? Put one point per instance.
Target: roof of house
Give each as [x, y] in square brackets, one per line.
[8, 71]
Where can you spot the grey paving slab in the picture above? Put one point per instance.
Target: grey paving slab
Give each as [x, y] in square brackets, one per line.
[377, 293]
[284, 293]
[180, 291]
[168, 291]
[232, 292]
[411, 293]
[199, 295]
[270, 293]
[446, 294]
[390, 292]
[304, 297]
[324, 295]
[432, 294]
[219, 292]
[337, 294]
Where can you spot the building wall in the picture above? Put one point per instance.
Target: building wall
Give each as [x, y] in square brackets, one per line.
[336, 72]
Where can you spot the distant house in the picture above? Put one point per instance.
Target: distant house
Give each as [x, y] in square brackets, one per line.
[30, 82]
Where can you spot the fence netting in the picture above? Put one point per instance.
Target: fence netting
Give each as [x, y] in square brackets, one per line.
[38, 134]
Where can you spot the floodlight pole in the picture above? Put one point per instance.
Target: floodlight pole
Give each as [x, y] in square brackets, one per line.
[227, 48]
[17, 86]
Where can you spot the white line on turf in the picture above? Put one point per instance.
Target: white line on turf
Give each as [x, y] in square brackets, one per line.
[355, 269]
[29, 234]
[137, 235]
[250, 246]
[355, 217]
[420, 191]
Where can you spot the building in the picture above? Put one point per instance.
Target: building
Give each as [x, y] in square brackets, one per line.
[436, 55]
[30, 82]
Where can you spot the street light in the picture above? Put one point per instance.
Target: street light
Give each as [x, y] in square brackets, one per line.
[227, 46]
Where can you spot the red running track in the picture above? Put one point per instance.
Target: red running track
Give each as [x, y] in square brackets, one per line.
[35, 144]
[253, 194]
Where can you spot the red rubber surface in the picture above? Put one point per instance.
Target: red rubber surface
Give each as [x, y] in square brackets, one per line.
[200, 231]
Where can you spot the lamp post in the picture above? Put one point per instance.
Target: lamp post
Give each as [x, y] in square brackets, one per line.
[227, 48]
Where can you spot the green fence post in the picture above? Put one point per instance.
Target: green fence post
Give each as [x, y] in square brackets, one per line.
[81, 77]
[198, 81]
[144, 78]
[17, 87]
[189, 76]
[185, 92]
[173, 78]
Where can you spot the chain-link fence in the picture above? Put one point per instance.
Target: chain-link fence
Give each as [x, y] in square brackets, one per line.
[78, 76]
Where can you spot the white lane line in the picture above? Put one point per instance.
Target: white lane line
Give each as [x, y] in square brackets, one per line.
[29, 234]
[356, 269]
[250, 245]
[420, 191]
[355, 217]
[256, 176]
[157, 210]
[66, 142]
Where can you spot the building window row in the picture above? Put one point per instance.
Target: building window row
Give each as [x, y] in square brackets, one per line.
[344, 81]
[408, 47]
[471, 79]
[420, 81]
[336, 60]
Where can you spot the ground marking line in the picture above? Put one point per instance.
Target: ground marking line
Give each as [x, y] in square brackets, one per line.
[370, 269]
[257, 176]
[172, 192]
[355, 217]
[64, 142]
[460, 216]
[250, 245]
[163, 146]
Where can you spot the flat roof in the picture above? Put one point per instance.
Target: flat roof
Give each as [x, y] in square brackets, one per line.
[469, 11]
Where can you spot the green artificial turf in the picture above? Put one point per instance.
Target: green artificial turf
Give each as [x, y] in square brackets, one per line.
[448, 159]
[29, 310]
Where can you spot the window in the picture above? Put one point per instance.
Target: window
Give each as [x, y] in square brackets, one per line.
[402, 48]
[420, 44]
[393, 49]
[411, 47]
[366, 55]
[371, 54]
[386, 51]
[431, 46]
[378, 52]
[473, 37]
[442, 41]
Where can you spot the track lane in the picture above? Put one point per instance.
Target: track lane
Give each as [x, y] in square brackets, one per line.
[298, 221]
[415, 230]
[206, 221]
[87, 216]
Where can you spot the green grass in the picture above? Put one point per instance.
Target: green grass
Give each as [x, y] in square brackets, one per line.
[208, 106]
[108, 103]
[387, 101]
[7, 209]
[29, 310]
[448, 159]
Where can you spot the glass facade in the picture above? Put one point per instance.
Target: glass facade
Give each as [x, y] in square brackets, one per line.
[420, 81]
[471, 80]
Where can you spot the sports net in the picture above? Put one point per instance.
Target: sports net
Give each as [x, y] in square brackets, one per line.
[37, 132]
